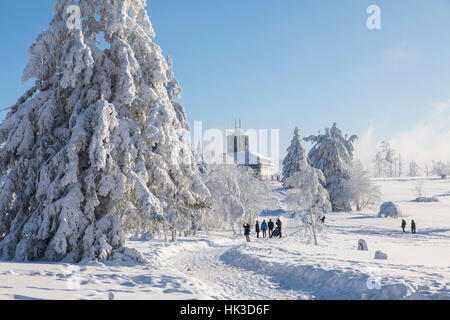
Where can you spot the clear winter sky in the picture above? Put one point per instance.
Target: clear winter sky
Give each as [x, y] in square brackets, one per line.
[286, 63]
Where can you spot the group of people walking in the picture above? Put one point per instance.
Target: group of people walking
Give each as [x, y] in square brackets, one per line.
[413, 226]
[273, 228]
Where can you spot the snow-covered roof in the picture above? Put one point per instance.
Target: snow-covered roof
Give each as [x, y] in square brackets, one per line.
[248, 158]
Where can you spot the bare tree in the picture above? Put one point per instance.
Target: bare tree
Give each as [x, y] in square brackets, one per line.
[413, 169]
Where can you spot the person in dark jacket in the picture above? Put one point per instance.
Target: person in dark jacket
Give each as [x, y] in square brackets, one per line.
[279, 223]
[264, 228]
[257, 229]
[247, 231]
[413, 226]
[403, 225]
[271, 225]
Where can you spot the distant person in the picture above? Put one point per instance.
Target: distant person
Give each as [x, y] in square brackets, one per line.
[257, 230]
[264, 228]
[247, 231]
[323, 219]
[403, 225]
[413, 226]
[271, 226]
[279, 223]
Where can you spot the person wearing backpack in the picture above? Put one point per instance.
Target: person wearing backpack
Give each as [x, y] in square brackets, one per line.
[403, 225]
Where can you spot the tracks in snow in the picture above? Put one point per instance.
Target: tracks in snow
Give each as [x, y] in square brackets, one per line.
[214, 278]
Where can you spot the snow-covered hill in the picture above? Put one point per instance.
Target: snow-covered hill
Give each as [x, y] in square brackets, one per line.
[220, 265]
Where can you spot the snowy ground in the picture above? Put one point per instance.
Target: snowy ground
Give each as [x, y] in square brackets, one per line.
[219, 265]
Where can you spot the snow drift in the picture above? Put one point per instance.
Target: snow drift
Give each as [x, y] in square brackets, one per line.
[327, 284]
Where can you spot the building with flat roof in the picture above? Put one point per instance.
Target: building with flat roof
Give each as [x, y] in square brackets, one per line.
[238, 151]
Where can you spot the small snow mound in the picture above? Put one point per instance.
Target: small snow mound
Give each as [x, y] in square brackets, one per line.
[427, 199]
[380, 255]
[390, 209]
[362, 245]
[126, 254]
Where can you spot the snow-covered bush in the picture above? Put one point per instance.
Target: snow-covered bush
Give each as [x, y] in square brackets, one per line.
[296, 155]
[380, 255]
[306, 191]
[419, 188]
[362, 245]
[390, 209]
[96, 149]
[359, 188]
[236, 196]
[420, 193]
[333, 155]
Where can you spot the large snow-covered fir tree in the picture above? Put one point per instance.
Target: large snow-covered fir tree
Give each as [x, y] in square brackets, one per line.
[333, 155]
[296, 155]
[96, 149]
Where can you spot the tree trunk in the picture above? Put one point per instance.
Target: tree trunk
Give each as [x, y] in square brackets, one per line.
[174, 235]
[313, 227]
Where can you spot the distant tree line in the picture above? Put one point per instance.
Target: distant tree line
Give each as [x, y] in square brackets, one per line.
[388, 164]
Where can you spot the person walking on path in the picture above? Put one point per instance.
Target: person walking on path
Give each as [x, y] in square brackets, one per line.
[257, 229]
[264, 228]
[271, 225]
[403, 225]
[247, 231]
[279, 223]
[413, 226]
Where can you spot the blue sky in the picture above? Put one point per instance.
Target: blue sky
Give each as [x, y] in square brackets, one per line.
[284, 63]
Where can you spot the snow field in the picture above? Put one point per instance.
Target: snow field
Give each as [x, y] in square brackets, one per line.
[220, 265]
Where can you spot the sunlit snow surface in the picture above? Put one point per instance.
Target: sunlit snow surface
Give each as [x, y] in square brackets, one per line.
[220, 265]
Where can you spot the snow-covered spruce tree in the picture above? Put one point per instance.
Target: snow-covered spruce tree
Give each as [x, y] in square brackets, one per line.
[333, 155]
[96, 149]
[296, 154]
